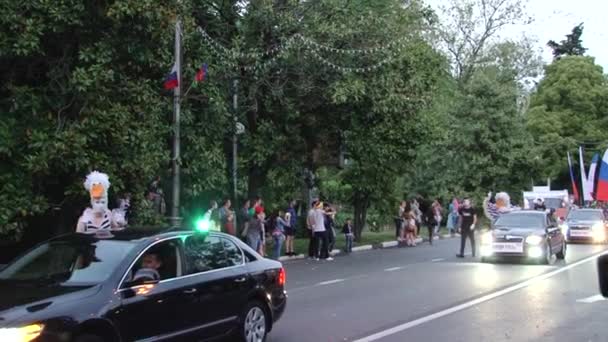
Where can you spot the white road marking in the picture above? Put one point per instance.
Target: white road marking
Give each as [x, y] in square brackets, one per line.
[431, 317]
[330, 282]
[392, 269]
[592, 299]
[438, 259]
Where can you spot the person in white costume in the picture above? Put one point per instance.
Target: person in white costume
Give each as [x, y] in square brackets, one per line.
[98, 217]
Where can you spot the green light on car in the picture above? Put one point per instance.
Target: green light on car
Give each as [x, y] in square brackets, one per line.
[202, 224]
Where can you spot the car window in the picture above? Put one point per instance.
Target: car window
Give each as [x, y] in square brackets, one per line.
[585, 215]
[159, 262]
[234, 256]
[204, 253]
[78, 261]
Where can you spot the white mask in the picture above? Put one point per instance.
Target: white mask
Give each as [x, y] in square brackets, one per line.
[99, 205]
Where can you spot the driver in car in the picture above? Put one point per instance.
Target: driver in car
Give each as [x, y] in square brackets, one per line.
[150, 264]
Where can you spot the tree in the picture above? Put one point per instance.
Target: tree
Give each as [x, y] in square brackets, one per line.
[568, 109]
[479, 141]
[377, 112]
[571, 46]
[81, 87]
[468, 27]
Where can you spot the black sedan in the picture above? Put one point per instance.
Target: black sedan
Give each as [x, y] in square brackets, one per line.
[585, 225]
[140, 286]
[532, 235]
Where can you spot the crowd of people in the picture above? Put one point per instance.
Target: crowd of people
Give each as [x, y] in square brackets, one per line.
[414, 214]
[276, 231]
[255, 227]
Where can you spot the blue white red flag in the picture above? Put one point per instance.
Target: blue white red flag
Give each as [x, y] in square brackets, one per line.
[171, 80]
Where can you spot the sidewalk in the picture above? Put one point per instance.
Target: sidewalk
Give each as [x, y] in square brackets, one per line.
[370, 240]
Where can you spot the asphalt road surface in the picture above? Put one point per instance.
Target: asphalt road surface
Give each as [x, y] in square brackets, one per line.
[425, 293]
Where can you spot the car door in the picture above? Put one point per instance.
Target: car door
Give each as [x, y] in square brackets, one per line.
[154, 311]
[241, 284]
[214, 280]
[555, 235]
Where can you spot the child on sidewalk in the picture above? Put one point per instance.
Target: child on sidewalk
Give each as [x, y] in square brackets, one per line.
[347, 230]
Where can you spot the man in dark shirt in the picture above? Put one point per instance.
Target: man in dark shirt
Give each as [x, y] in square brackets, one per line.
[540, 205]
[467, 219]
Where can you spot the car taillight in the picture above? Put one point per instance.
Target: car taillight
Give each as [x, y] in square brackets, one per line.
[282, 276]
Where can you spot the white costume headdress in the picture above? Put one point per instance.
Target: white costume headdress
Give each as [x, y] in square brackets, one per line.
[97, 184]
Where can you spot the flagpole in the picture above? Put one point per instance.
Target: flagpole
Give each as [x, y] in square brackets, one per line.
[175, 219]
[235, 107]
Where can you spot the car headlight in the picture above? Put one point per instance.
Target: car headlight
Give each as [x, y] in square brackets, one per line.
[21, 334]
[487, 238]
[598, 227]
[534, 240]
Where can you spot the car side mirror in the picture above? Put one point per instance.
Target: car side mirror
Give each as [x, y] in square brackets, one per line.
[142, 281]
[602, 274]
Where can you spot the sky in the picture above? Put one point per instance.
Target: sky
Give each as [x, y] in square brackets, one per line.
[554, 19]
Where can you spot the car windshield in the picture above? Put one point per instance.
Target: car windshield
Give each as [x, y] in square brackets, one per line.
[585, 215]
[553, 203]
[69, 262]
[521, 220]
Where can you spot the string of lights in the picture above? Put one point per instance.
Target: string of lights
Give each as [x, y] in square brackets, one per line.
[263, 60]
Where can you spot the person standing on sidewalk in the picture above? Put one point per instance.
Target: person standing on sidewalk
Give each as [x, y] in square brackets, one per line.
[310, 222]
[278, 233]
[467, 221]
[290, 232]
[255, 231]
[348, 232]
[429, 220]
[320, 232]
[399, 220]
[437, 209]
[329, 226]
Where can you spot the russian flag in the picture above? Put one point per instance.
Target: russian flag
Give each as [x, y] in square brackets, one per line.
[201, 73]
[574, 187]
[592, 175]
[171, 80]
[601, 191]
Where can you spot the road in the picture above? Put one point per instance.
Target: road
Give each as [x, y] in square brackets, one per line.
[427, 294]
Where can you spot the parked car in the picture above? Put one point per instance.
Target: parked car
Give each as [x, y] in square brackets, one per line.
[140, 285]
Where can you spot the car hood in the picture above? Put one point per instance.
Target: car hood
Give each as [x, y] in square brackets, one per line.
[517, 231]
[17, 300]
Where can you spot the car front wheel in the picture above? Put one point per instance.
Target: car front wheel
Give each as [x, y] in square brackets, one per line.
[254, 323]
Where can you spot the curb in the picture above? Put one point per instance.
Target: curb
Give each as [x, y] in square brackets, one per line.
[363, 248]
[387, 244]
[289, 258]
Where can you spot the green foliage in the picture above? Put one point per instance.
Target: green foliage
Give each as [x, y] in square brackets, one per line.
[81, 90]
[568, 109]
[571, 46]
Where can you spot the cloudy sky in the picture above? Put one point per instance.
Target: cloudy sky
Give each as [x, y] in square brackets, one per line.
[553, 19]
